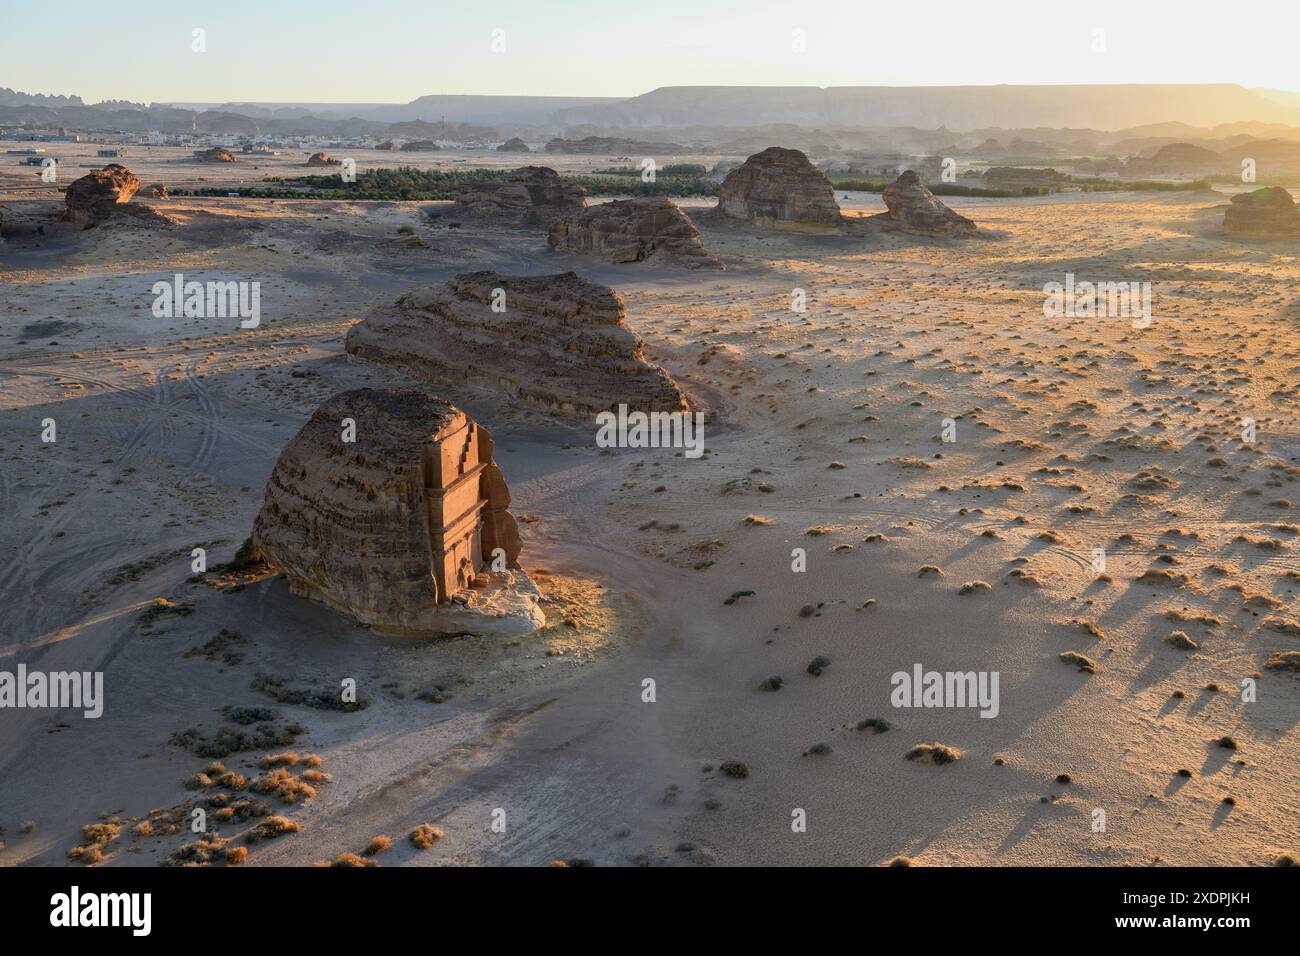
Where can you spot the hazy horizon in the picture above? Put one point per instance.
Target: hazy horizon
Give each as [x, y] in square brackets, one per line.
[299, 53]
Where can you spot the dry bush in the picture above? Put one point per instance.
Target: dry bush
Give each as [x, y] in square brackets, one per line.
[281, 783]
[278, 760]
[425, 835]
[95, 839]
[270, 828]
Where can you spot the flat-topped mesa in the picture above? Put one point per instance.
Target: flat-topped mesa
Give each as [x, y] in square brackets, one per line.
[406, 528]
[780, 188]
[97, 194]
[560, 342]
[1268, 213]
[532, 196]
[916, 209]
[633, 230]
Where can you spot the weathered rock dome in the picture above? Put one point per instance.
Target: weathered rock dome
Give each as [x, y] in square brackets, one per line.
[557, 341]
[780, 188]
[633, 230]
[399, 528]
[1268, 213]
[533, 195]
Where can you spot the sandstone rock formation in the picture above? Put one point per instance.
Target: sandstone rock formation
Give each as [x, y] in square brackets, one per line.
[533, 195]
[157, 191]
[780, 188]
[633, 230]
[95, 195]
[323, 159]
[915, 208]
[217, 154]
[514, 145]
[1268, 213]
[560, 342]
[401, 527]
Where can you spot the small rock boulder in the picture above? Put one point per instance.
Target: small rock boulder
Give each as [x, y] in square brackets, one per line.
[916, 209]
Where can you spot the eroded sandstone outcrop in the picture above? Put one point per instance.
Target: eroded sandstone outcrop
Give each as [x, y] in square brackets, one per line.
[532, 196]
[633, 230]
[557, 341]
[98, 193]
[1268, 213]
[323, 159]
[217, 154]
[406, 528]
[780, 188]
[912, 206]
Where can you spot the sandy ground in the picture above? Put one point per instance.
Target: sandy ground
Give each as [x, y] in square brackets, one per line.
[823, 435]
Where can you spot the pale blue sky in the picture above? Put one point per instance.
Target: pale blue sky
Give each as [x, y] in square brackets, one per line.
[395, 50]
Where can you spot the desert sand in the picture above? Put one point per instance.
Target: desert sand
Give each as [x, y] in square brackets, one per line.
[823, 434]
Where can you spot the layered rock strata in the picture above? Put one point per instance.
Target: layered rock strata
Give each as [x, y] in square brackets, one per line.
[557, 341]
[406, 526]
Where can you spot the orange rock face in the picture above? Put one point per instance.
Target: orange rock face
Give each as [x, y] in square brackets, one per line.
[405, 528]
[93, 196]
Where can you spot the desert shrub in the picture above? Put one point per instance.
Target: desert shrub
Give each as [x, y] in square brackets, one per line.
[272, 828]
[425, 835]
[937, 754]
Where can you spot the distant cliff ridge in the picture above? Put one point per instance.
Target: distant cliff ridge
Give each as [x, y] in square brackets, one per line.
[955, 107]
